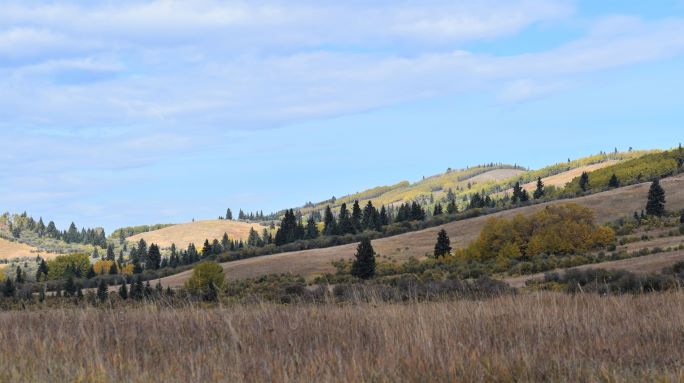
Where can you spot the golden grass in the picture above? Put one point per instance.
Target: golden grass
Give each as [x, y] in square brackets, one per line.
[196, 232]
[607, 206]
[530, 337]
[11, 250]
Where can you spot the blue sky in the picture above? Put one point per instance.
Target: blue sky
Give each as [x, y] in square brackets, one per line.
[125, 113]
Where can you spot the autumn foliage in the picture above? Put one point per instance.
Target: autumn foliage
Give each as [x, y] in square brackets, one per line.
[558, 230]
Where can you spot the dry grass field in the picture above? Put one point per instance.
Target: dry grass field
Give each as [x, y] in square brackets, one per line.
[11, 250]
[494, 175]
[529, 337]
[607, 206]
[196, 232]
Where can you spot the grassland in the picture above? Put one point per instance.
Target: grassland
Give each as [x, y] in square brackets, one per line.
[12, 250]
[529, 337]
[196, 232]
[607, 206]
[561, 179]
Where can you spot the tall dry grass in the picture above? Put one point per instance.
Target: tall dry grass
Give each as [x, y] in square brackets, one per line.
[531, 337]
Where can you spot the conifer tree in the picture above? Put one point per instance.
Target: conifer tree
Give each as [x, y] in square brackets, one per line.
[113, 270]
[311, 228]
[656, 200]
[137, 289]
[451, 207]
[371, 217]
[8, 289]
[42, 270]
[20, 277]
[524, 197]
[539, 191]
[229, 214]
[110, 253]
[584, 181]
[437, 210]
[417, 212]
[153, 257]
[383, 217]
[614, 182]
[123, 290]
[443, 245]
[102, 292]
[329, 223]
[91, 272]
[344, 222]
[364, 264]
[225, 243]
[517, 193]
[207, 250]
[356, 217]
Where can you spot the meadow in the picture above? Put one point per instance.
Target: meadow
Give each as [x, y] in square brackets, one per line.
[527, 337]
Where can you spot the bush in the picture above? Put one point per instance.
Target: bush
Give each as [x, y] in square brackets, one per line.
[205, 277]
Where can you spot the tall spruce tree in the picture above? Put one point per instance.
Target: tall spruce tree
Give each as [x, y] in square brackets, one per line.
[329, 223]
[443, 245]
[311, 228]
[614, 182]
[356, 217]
[344, 221]
[153, 257]
[437, 210]
[383, 217]
[517, 193]
[656, 200]
[229, 214]
[364, 264]
[539, 191]
[110, 253]
[584, 181]
[451, 207]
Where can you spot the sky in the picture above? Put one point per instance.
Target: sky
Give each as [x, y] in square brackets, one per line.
[118, 113]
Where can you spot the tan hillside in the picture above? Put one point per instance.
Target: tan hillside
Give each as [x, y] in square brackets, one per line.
[495, 175]
[196, 232]
[11, 250]
[607, 206]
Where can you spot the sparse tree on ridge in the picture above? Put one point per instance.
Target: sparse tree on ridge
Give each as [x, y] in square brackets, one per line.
[364, 264]
[443, 245]
[229, 214]
[656, 200]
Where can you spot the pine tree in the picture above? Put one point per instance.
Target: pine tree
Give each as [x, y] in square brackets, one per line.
[383, 216]
[113, 270]
[584, 181]
[417, 212]
[137, 289]
[153, 258]
[207, 250]
[517, 193]
[443, 245]
[356, 217]
[364, 264]
[123, 290]
[539, 191]
[42, 269]
[311, 228]
[451, 207]
[20, 277]
[91, 272]
[8, 290]
[110, 253]
[329, 223]
[524, 197]
[344, 222]
[437, 210]
[371, 217]
[614, 182]
[102, 292]
[656, 200]
[229, 214]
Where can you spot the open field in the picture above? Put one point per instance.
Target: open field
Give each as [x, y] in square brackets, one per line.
[196, 232]
[607, 206]
[529, 337]
[494, 175]
[11, 250]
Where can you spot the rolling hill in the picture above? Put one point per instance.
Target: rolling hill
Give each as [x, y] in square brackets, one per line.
[196, 232]
[607, 206]
[11, 250]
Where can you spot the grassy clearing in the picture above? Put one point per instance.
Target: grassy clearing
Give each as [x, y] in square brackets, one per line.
[530, 337]
[12, 250]
[196, 232]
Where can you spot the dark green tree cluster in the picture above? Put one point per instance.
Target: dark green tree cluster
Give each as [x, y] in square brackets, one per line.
[410, 212]
[584, 181]
[23, 222]
[614, 181]
[520, 195]
[290, 229]
[539, 191]
[477, 201]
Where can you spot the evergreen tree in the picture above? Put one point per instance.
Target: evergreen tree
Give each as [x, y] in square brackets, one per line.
[656, 200]
[225, 242]
[102, 292]
[344, 221]
[364, 264]
[91, 272]
[42, 270]
[311, 228]
[417, 212]
[229, 214]
[123, 290]
[539, 191]
[517, 193]
[20, 277]
[290, 229]
[96, 254]
[110, 253]
[383, 216]
[153, 258]
[584, 181]
[614, 182]
[8, 289]
[524, 196]
[371, 218]
[356, 217]
[451, 207]
[137, 289]
[137, 269]
[329, 223]
[113, 270]
[437, 210]
[443, 245]
[207, 249]
[70, 287]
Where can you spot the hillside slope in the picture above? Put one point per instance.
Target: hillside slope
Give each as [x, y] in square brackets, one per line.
[196, 232]
[11, 250]
[607, 206]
